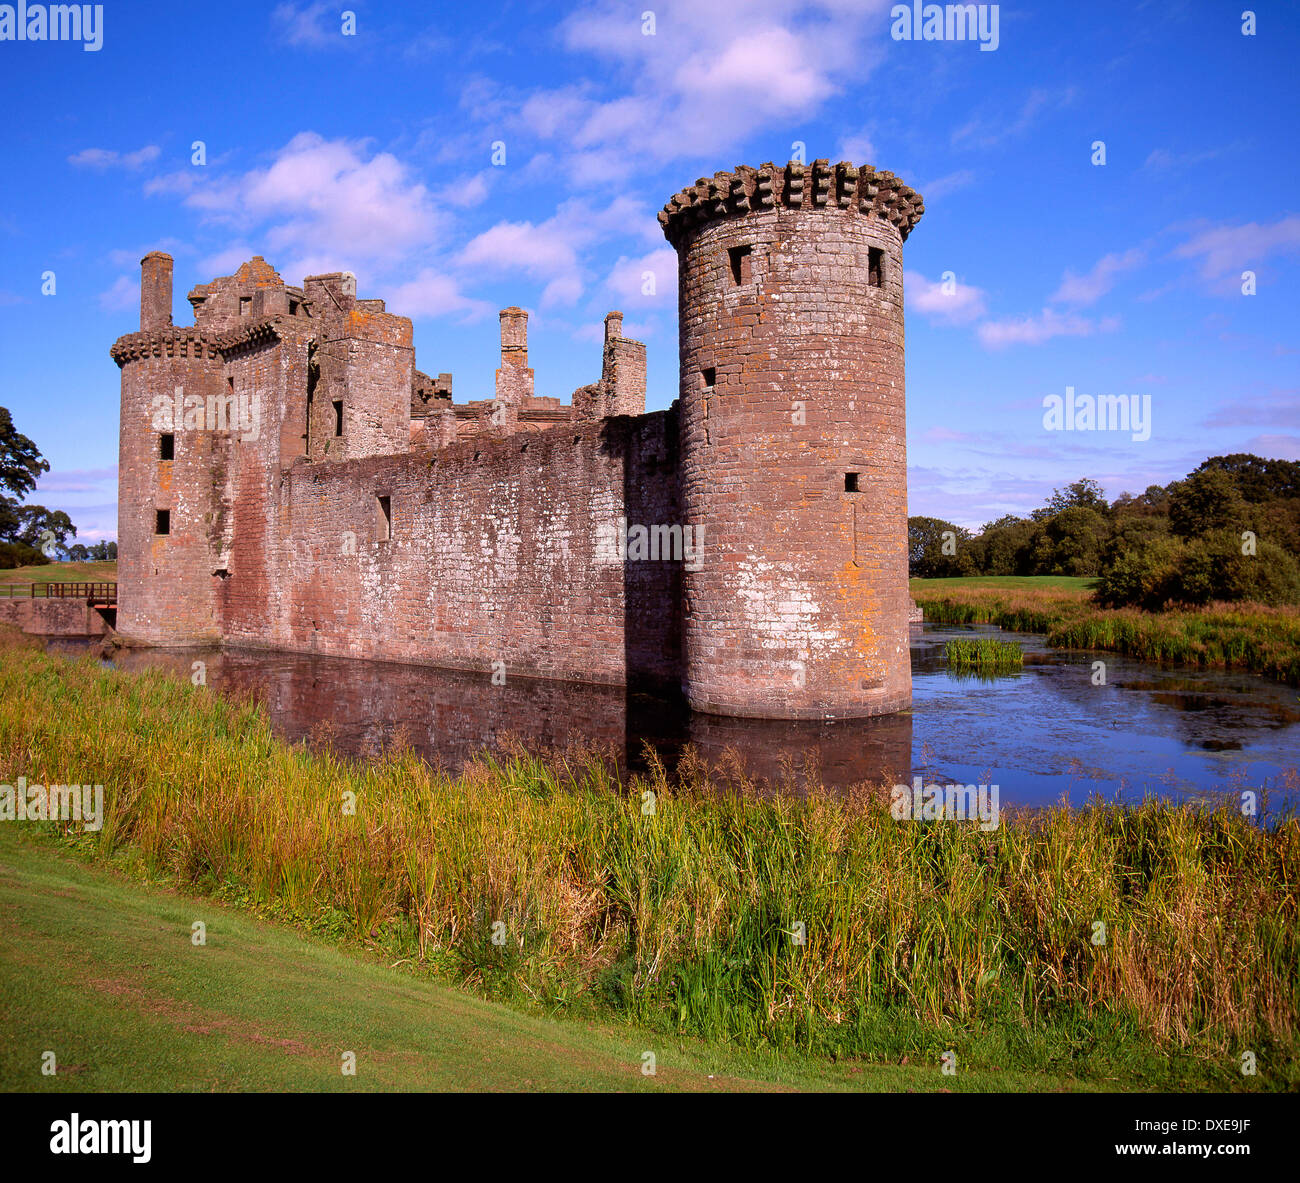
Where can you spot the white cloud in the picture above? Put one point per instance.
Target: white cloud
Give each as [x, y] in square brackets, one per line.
[1223, 250]
[1034, 330]
[710, 77]
[105, 158]
[629, 278]
[308, 26]
[1081, 290]
[857, 149]
[956, 303]
[325, 204]
[949, 183]
[432, 294]
[551, 251]
[125, 293]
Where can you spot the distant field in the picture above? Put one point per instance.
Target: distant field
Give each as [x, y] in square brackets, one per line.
[62, 572]
[1004, 583]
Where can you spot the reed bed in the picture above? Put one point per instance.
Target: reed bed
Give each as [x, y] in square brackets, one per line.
[1250, 637]
[986, 655]
[667, 902]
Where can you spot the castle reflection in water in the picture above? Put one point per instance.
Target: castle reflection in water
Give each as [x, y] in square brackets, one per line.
[447, 716]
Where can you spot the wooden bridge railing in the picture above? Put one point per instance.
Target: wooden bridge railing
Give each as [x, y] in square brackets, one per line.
[99, 593]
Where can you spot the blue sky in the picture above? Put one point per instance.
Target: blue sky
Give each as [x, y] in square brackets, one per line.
[373, 153]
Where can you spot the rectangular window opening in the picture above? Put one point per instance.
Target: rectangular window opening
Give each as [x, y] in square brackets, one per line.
[166, 446]
[875, 267]
[385, 518]
[338, 417]
[851, 482]
[162, 521]
[245, 305]
[293, 307]
[710, 377]
[741, 264]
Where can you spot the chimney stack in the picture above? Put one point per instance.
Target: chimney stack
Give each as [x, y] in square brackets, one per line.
[155, 291]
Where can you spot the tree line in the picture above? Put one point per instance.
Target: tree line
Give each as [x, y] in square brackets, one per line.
[1229, 530]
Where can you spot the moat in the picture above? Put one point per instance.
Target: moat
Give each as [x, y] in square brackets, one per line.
[1042, 735]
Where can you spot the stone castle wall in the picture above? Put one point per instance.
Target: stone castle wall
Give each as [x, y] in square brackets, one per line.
[360, 512]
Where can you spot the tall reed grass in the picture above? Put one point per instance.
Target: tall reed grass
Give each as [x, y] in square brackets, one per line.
[667, 902]
[983, 655]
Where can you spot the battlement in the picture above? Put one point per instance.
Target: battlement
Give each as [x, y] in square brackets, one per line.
[819, 185]
[191, 341]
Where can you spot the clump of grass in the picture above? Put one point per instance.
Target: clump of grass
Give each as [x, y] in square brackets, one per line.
[985, 655]
[915, 938]
[1252, 637]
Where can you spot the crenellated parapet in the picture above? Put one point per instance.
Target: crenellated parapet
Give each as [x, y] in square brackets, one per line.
[819, 185]
[192, 342]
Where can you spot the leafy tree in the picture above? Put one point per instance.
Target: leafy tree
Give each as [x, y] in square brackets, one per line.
[21, 463]
[1206, 501]
[936, 548]
[42, 528]
[1072, 542]
[1082, 494]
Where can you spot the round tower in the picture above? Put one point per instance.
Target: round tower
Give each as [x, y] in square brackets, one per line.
[793, 439]
[168, 466]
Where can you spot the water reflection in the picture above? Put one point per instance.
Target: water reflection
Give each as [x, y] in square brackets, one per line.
[365, 707]
[1047, 732]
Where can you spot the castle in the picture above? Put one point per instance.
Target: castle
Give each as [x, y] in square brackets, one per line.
[289, 479]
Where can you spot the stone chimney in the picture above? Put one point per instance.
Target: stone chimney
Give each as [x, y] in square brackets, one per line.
[514, 378]
[155, 291]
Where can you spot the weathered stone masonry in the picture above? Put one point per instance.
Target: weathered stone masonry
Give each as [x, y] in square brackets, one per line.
[289, 479]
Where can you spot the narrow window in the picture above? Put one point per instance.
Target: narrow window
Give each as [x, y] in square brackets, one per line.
[385, 518]
[166, 446]
[293, 307]
[245, 305]
[850, 482]
[338, 417]
[875, 267]
[741, 266]
[710, 377]
[162, 521]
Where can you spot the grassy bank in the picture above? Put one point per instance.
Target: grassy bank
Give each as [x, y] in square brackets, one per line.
[101, 970]
[681, 919]
[94, 572]
[1248, 637]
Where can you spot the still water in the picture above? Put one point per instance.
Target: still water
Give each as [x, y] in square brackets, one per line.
[1044, 734]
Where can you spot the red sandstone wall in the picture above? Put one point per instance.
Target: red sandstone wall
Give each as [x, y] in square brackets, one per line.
[801, 607]
[494, 556]
[54, 617]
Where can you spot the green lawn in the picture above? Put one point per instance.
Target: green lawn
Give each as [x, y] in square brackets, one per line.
[101, 970]
[100, 571]
[1064, 583]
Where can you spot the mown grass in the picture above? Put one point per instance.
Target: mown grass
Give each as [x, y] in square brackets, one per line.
[95, 571]
[986, 655]
[1250, 637]
[673, 906]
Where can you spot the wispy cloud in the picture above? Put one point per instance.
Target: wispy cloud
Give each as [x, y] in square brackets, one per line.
[125, 293]
[326, 204]
[308, 26]
[947, 302]
[551, 251]
[1035, 330]
[1222, 251]
[106, 158]
[1082, 290]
